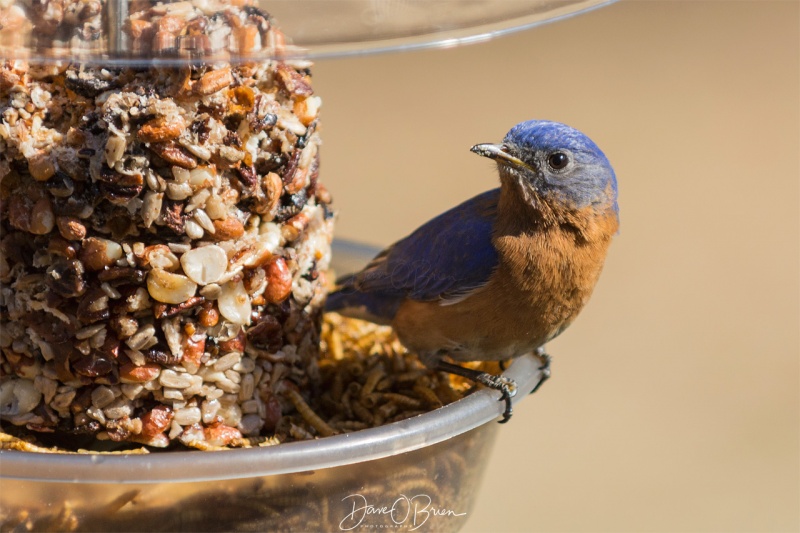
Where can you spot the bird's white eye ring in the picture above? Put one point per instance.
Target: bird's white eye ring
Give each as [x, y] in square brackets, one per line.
[558, 160]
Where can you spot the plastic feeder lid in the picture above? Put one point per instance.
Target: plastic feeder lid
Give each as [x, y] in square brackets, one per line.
[127, 32]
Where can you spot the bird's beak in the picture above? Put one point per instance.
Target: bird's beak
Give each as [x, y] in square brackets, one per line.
[499, 153]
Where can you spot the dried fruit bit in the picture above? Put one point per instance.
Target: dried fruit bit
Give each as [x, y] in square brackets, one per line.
[234, 303]
[130, 373]
[267, 333]
[170, 288]
[205, 265]
[93, 365]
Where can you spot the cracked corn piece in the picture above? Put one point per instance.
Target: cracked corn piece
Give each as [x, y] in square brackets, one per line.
[164, 238]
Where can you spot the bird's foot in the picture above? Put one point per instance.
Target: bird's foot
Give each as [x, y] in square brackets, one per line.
[506, 386]
[544, 370]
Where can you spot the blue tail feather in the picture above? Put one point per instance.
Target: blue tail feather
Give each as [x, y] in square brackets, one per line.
[378, 308]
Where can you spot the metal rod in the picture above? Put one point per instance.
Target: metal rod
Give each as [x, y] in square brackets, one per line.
[117, 18]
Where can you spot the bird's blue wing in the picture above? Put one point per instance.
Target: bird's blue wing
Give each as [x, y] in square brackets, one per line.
[447, 257]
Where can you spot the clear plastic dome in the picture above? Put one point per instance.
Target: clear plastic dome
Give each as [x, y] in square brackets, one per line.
[129, 32]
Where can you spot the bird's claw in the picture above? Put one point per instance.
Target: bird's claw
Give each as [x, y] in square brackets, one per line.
[506, 386]
[544, 370]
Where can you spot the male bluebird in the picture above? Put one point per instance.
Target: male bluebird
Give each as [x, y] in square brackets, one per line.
[504, 272]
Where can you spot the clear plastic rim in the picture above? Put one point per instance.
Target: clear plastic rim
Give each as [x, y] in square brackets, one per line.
[449, 39]
[336, 46]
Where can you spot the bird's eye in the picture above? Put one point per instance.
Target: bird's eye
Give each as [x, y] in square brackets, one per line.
[557, 160]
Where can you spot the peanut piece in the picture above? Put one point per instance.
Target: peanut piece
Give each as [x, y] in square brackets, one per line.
[279, 280]
[71, 228]
[42, 218]
[169, 288]
[227, 229]
[41, 167]
[208, 316]
[221, 435]
[97, 253]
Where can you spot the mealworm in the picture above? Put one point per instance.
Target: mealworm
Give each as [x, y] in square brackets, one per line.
[335, 345]
[373, 377]
[337, 387]
[363, 413]
[402, 400]
[355, 369]
[387, 410]
[308, 414]
[427, 395]
[370, 400]
[351, 425]
[446, 393]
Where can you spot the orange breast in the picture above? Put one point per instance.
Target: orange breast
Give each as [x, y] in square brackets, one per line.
[543, 280]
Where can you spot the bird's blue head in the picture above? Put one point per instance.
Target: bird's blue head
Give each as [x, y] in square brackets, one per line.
[555, 163]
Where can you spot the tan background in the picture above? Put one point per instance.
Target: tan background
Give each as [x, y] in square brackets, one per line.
[674, 400]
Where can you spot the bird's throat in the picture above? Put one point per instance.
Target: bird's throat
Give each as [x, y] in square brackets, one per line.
[521, 204]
